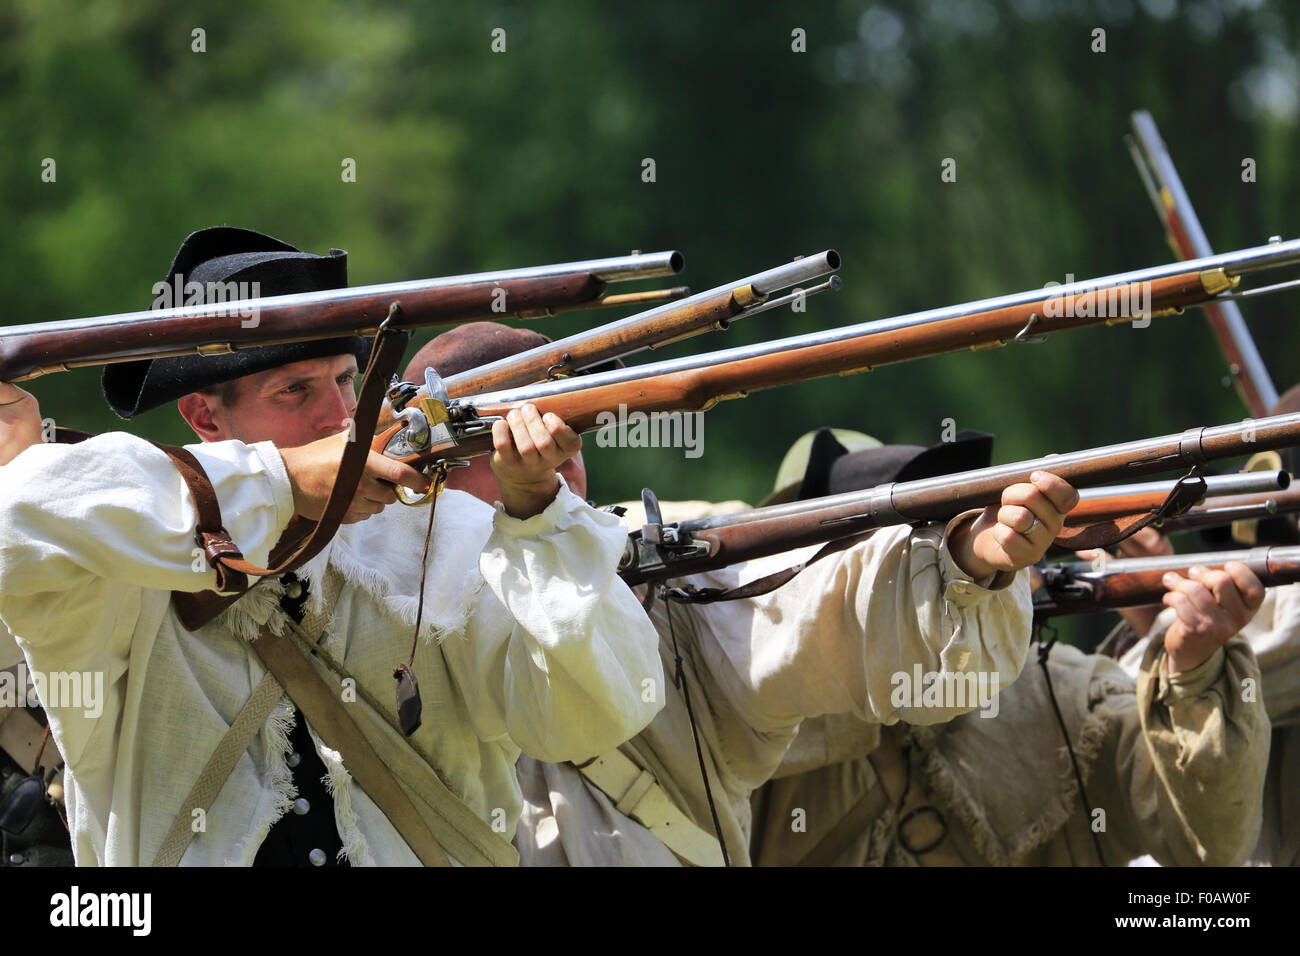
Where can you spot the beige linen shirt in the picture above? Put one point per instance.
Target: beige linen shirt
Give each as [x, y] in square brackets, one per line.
[1173, 767]
[830, 641]
[1274, 635]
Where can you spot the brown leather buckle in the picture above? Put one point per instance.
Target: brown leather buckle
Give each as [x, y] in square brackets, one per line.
[217, 544]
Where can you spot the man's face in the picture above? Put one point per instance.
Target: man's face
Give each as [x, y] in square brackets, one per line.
[291, 405]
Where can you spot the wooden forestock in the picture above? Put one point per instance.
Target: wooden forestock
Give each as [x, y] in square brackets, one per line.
[678, 323]
[584, 406]
[1080, 588]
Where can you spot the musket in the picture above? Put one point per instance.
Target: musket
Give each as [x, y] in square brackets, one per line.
[1226, 511]
[27, 351]
[714, 309]
[1115, 502]
[686, 547]
[1183, 230]
[1106, 516]
[1079, 586]
[436, 426]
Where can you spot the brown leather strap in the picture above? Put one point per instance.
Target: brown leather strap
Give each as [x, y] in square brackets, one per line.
[324, 710]
[690, 594]
[302, 539]
[920, 826]
[850, 826]
[1189, 491]
[195, 610]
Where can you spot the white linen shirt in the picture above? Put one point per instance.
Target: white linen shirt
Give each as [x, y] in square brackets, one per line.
[530, 642]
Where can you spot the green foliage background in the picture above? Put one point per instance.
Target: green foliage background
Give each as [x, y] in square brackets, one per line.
[470, 160]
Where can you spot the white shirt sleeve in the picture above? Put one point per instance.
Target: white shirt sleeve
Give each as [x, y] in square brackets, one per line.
[115, 508]
[853, 632]
[579, 671]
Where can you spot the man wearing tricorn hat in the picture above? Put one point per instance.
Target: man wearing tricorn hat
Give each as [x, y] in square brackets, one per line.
[1172, 759]
[528, 639]
[828, 641]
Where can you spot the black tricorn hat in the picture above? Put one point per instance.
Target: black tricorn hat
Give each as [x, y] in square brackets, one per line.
[832, 469]
[226, 254]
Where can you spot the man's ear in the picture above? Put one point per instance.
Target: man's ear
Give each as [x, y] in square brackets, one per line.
[197, 410]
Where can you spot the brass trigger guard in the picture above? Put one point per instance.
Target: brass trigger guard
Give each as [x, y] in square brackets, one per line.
[436, 486]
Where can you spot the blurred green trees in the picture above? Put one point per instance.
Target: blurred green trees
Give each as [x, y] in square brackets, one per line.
[469, 159]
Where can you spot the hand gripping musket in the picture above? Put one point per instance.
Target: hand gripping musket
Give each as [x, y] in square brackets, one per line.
[434, 426]
[661, 551]
[1188, 241]
[27, 351]
[715, 309]
[1079, 586]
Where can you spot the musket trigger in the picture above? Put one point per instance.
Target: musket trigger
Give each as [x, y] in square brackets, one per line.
[437, 482]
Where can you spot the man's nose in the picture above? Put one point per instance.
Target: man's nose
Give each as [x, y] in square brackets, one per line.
[335, 410]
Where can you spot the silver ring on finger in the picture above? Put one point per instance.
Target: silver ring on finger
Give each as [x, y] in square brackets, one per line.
[1032, 525]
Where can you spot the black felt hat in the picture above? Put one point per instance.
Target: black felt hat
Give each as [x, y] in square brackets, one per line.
[221, 255]
[832, 469]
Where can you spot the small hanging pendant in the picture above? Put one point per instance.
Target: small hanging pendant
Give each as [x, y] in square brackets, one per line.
[409, 706]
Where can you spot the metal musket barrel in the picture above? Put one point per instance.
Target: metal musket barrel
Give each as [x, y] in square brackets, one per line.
[637, 332]
[917, 500]
[1216, 486]
[1235, 508]
[1174, 208]
[25, 350]
[1118, 501]
[746, 535]
[1238, 263]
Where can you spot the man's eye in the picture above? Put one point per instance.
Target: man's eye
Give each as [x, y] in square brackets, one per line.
[291, 390]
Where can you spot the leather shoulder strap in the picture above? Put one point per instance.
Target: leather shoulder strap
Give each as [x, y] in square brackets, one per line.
[324, 710]
[301, 542]
[690, 594]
